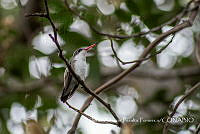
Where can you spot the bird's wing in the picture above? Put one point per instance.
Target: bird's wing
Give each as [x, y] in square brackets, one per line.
[70, 84]
[70, 87]
[66, 89]
[67, 78]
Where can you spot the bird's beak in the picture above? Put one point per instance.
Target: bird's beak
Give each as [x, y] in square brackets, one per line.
[90, 47]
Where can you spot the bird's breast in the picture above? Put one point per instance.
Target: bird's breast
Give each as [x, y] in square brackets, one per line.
[80, 68]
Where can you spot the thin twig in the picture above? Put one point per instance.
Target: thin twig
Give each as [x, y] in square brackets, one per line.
[198, 129]
[139, 34]
[36, 15]
[146, 51]
[89, 117]
[187, 94]
[141, 59]
[54, 39]
[19, 4]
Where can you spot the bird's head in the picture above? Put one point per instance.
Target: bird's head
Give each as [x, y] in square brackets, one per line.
[83, 51]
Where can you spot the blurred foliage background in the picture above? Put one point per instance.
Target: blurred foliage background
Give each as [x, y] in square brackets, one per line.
[31, 73]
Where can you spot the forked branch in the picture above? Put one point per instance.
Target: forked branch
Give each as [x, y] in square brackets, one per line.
[146, 51]
[187, 94]
[60, 52]
[139, 34]
[141, 59]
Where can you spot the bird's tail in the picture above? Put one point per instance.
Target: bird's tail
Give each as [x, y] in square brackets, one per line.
[65, 96]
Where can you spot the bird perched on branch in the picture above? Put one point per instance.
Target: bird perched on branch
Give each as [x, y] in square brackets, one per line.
[79, 65]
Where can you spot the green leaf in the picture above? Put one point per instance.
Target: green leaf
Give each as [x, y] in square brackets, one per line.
[17, 60]
[122, 15]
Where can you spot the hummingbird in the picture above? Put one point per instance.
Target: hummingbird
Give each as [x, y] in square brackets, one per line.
[79, 65]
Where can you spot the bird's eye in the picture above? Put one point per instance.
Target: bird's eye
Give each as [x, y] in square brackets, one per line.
[80, 50]
[77, 51]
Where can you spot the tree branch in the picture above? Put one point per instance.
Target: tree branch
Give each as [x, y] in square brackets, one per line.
[139, 34]
[146, 51]
[60, 52]
[160, 74]
[141, 59]
[198, 129]
[90, 118]
[187, 94]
